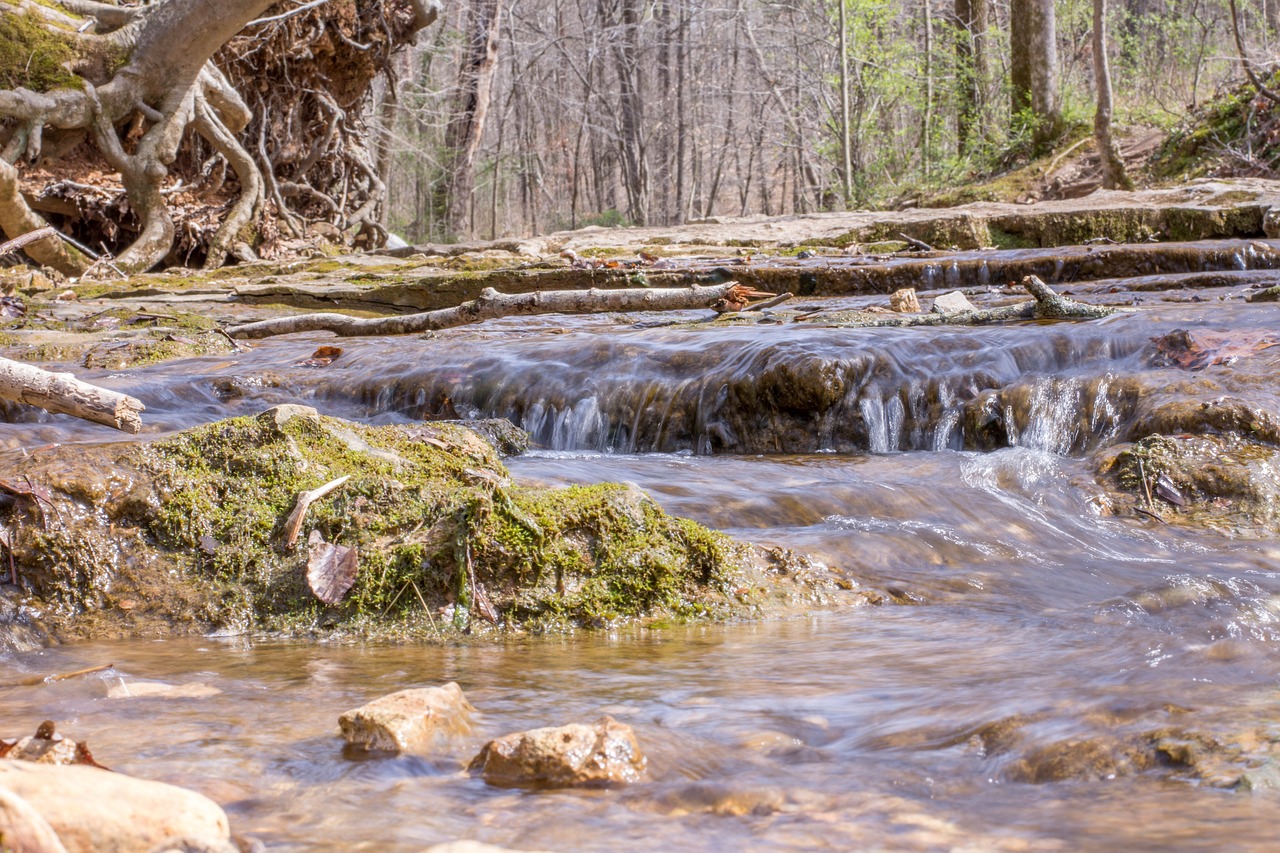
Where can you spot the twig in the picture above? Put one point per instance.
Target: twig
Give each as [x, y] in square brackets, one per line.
[1146, 488]
[298, 11]
[293, 525]
[57, 676]
[917, 244]
[423, 602]
[768, 303]
[26, 239]
[235, 345]
[491, 305]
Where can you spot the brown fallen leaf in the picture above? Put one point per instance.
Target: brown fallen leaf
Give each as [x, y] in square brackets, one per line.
[331, 569]
[322, 357]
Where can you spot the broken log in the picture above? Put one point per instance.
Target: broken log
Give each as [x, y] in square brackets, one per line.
[1048, 305]
[63, 393]
[491, 305]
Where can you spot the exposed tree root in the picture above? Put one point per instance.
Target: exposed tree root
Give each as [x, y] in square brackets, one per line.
[151, 72]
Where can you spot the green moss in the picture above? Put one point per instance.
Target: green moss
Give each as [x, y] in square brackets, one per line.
[433, 518]
[34, 55]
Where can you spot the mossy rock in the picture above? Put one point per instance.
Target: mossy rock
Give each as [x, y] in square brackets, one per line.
[187, 533]
[1227, 482]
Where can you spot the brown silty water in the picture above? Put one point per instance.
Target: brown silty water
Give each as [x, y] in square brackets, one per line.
[1070, 677]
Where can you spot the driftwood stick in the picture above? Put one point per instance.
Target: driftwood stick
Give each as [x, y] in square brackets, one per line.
[768, 303]
[916, 244]
[26, 239]
[1047, 306]
[491, 305]
[293, 525]
[62, 392]
[57, 676]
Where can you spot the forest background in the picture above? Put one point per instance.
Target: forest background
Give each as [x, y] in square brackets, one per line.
[512, 118]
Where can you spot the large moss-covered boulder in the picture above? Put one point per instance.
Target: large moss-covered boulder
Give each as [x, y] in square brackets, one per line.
[192, 532]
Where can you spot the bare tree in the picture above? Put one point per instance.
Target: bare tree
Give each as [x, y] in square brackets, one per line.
[1114, 175]
[466, 126]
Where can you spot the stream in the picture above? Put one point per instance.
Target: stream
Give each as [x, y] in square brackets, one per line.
[954, 467]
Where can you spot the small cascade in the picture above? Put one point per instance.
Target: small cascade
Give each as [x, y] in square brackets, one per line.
[884, 419]
[785, 389]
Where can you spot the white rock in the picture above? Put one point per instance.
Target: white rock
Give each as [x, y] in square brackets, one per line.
[949, 303]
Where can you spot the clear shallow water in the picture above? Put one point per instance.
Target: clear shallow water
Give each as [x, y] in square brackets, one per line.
[849, 729]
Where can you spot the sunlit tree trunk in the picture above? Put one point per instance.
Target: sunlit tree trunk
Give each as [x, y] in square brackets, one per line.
[1113, 171]
[1033, 70]
[466, 125]
[972, 69]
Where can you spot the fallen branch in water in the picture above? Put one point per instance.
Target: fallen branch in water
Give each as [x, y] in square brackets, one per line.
[1047, 306]
[62, 392]
[57, 676]
[491, 305]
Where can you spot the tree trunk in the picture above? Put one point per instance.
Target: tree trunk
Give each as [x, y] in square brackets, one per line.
[631, 118]
[972, 74]
[466, 127]
[846, 132]
[1033, 70]
[1113, 171]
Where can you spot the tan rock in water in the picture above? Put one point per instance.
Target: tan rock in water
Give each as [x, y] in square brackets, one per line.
[159, 690]
[22, 830]
[409, 719]
[603, 754]
[905, 301]
[104, 812]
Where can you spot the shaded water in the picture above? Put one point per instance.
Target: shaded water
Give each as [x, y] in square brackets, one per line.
[950, 466]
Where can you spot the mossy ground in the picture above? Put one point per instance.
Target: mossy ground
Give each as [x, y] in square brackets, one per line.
[34, 55]
[190, 530]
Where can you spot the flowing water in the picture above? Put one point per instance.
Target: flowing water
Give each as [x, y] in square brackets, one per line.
[954, 468]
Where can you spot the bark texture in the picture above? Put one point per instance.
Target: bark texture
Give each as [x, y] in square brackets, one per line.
[1114, 175]
[141, 77]
[1033, 69]
[63, 393]
[466, 126]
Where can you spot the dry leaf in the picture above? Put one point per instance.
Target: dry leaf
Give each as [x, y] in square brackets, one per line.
[1180, 348]
[331, 569]
[322, 357]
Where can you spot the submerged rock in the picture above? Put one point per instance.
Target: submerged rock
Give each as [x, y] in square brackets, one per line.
[159, 690]
[104, 812]
[1225, 481]
[603, 754]
[190, 532]
[408, 719]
